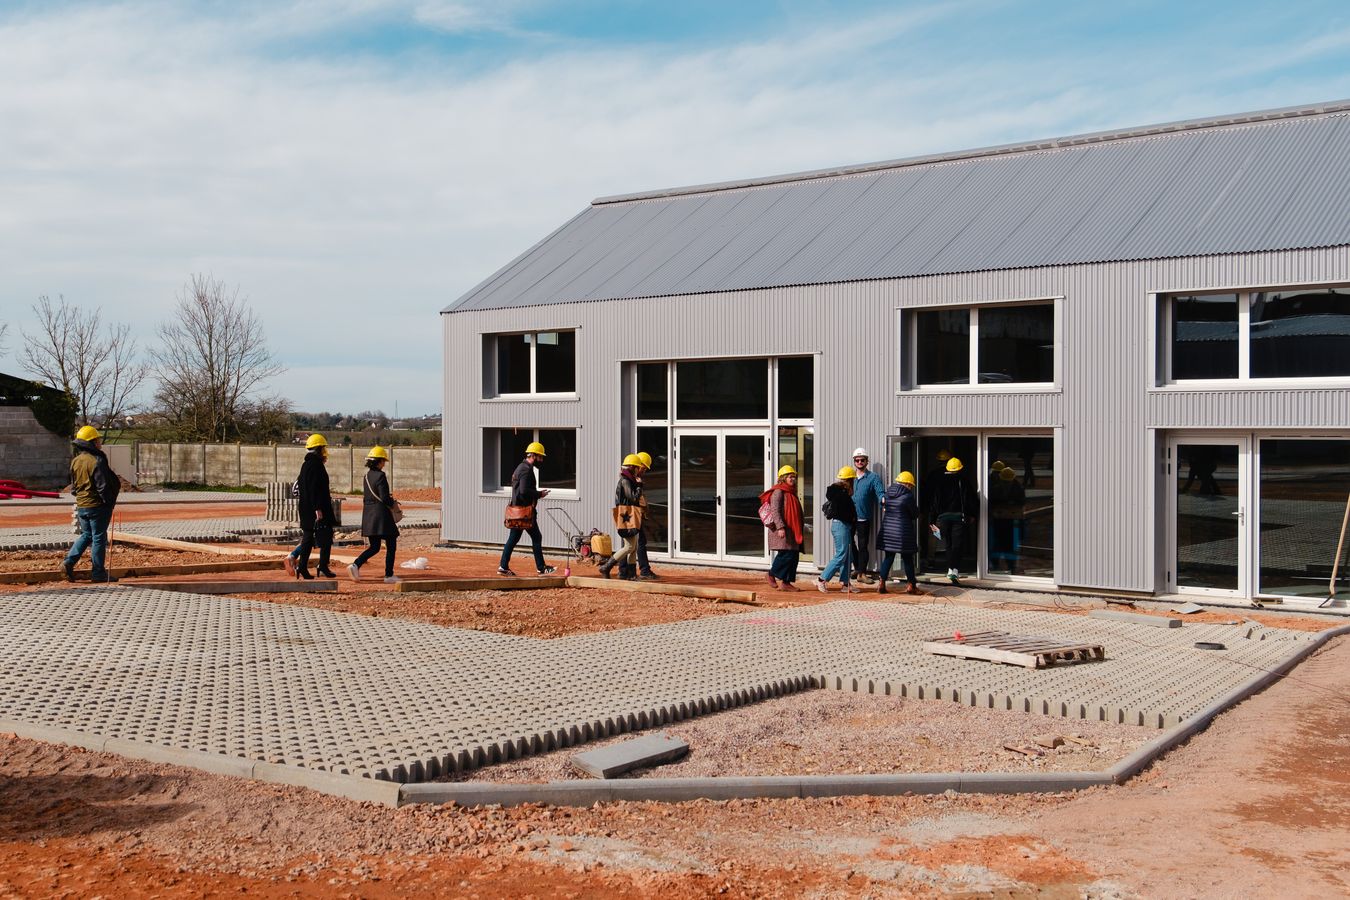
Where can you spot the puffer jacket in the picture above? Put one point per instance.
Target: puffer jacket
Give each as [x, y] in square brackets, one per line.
[91, 478]
[898, 533]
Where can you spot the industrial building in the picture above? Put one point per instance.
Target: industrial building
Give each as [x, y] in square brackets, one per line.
[1150, 327]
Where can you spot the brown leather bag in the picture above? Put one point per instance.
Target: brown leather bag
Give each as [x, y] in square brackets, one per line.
[519, 516]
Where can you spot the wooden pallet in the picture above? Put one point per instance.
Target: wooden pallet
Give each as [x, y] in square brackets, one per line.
[1030, 651]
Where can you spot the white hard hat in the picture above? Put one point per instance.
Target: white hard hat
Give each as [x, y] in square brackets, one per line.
[862, 451]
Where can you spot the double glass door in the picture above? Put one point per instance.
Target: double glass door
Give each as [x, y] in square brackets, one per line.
[1208, 490]
[719, 475]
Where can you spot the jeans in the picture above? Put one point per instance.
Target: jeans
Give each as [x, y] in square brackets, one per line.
[784, 566]
[906, 559]
[862, 553]
[842, 532]
[94, 522]
[391, 545]
[536, 538]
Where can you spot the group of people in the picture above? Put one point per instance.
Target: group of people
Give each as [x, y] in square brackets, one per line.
[629, 513]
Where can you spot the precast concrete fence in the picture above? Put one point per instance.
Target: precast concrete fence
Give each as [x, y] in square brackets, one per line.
[408, 468]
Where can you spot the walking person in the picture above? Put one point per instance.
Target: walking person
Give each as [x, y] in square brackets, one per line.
[841, 512]
[868, 492]
[1007, 506]
[953, 507]
[628, 514]
[639, 560]
[521, 514]
[377, 516]
[899, 531]
[316, 508]
[785, 529]
[95, 487]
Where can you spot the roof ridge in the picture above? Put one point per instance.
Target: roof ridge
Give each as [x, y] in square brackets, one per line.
[1095, 137]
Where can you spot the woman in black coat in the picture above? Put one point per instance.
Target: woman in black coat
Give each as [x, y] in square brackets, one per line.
[377, 517]
[898, 532]
[316, 507]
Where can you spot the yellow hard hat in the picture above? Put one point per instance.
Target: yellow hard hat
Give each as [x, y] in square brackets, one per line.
[846, 472]
[1006, 473]
[632, 459]
[944, 455]
[785, 471]
[536, 448]
[88, 433]
[645, 458]
[998, 465]
[905, 478]
[377, 452]
[954, 465]
[315, 440]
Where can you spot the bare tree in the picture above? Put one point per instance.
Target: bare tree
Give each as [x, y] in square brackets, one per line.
[95, 363]
[212, 360]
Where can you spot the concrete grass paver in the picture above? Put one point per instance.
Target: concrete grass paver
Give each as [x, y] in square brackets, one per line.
[406, 701]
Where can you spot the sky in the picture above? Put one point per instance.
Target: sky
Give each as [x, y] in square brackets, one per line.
[354, 166]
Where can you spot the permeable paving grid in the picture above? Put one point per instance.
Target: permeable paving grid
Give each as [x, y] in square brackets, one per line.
[406, 701]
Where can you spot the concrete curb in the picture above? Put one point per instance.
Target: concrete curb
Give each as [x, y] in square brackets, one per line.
[674, 790]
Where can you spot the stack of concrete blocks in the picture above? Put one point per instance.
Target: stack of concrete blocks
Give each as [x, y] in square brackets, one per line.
[30, 453]
[282, 507]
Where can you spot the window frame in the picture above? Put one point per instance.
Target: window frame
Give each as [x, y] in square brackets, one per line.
[505, 489]
[909, 344]
[1160, 340]
[534, 393]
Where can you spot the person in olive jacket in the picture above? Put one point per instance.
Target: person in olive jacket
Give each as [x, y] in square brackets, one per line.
[316, 508]
[377, 516]
[899, 532]
[96, 487]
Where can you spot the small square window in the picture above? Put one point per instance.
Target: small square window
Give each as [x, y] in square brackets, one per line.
[796, 387]
[543, 362]
[504, 449]
[943, 346]
[1205, 336]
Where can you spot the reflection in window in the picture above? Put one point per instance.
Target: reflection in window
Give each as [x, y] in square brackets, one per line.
[1021, 491]
[507, 447]
[1304, 485]
[796, 387]
[651, 390]
[942, 346]
[795, 448]
[722, 389]
[513, 364]
[555, 362]
[1300, 334]
[1017, 344]
[1205, 337]
[656, 485]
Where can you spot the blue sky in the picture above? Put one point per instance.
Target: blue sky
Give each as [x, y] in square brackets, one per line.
[354, 166]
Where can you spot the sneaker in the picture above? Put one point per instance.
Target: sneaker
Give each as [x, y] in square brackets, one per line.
[392, 579]
[820, 586]
[649, 576]
[547, 570]
[507, 573]
[953, 575]
[290, 567]
[355, 572]
[105, 578]
[69, 568]
[914, 589]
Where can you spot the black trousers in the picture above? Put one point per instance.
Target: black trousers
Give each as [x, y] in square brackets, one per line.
[906, 560]
[391, 545]
[953, 531]
[862, 537]
[320, 535]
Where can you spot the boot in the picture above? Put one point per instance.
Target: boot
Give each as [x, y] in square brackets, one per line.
[882, 589]
[606, 567]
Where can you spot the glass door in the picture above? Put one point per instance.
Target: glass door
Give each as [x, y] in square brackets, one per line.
[1208, 516]
[721, 473]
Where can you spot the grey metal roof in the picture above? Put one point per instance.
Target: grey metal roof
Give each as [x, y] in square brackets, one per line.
[1274, 180]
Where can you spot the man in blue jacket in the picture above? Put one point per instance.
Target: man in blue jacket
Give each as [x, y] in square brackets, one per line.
[867, 494]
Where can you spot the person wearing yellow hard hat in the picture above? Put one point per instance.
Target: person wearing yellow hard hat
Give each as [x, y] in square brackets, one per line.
[628, 515]
[521, 511]
[899, 532]
[952, 510]
[781, 512]
[841, 512]
[95, 487]
[380, 513]
[315, 505]
[1007, 506]
[639, 565]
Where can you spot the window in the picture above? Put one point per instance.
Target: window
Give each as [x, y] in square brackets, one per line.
[796, 387]
[656, 485]
[504, 449]
[1303, 487]
[722, 389]
[984, 345]
[540, 362]
[652, 391]
[1255, 335]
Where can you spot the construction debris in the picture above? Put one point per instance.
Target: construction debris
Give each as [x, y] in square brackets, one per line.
[639, 753]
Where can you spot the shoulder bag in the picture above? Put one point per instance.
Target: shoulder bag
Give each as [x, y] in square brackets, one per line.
[395, 509]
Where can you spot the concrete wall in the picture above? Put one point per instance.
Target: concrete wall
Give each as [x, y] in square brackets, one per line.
[30, 453]
[1103, 413]
[409, 468]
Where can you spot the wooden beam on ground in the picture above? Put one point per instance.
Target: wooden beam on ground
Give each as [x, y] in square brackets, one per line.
[274, 586]
[242, 565]
[483, 584]
[144, 540]
[719, 595]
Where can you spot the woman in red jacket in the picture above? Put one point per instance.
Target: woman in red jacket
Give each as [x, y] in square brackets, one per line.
[785, 529]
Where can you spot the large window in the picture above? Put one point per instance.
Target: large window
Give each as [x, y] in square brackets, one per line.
[504, 449]
[655, 440]
[1021, 506]
[538, 362]
[722, 389]
[984, 345]
[1304, 486]
[796, 387]
[1255, 335]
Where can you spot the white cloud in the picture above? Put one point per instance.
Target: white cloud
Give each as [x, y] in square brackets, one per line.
[351, 198]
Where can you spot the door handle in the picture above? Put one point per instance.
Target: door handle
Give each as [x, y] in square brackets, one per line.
[1241, 516]
[719, 499]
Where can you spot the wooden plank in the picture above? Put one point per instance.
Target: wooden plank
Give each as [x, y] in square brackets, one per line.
[484, 584]
[243, 565]
[273, 586]
[144, 540]
[990, 654]
[657, 587]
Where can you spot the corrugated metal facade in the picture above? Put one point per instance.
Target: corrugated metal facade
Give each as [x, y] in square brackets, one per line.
[1104, 412]
[1270, 185]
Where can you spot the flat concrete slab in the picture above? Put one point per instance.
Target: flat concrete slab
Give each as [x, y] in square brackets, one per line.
[483, 584]
[1136, 618]
[388, 699]
[628, 756]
